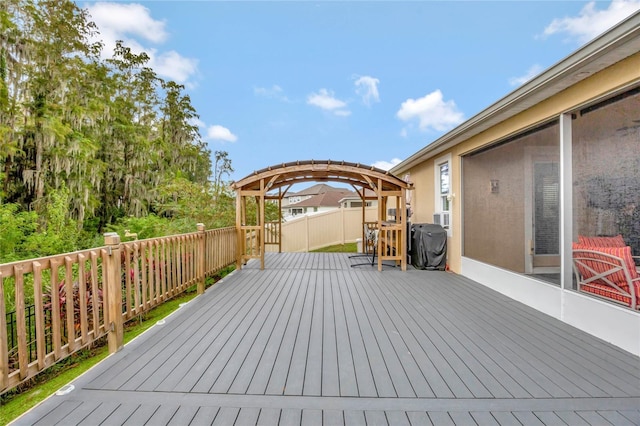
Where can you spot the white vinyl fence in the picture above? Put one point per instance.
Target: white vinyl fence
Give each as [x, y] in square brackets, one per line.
[312, 232]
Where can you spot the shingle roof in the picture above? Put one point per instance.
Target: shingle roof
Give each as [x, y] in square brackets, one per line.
[326, 199]
[319, 188]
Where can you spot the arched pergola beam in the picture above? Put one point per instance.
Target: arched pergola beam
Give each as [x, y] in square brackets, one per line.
[314, 170]
[392, 235]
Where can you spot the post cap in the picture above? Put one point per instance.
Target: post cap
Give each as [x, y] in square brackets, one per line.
[111, 238]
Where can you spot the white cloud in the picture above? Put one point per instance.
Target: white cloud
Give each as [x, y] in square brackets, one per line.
[367, 89]
[591, 22]
[133, 24]
[325, 100]
[403, 133]
[531, 72]
[273, 92]
[195, 121]
[174, 66]
[431, 111]
[125, 19]
[220, 133]
[386, 165]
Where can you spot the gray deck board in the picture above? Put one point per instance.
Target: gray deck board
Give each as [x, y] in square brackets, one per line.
[295, 374]
[417, 418]
[409, 381]
[332, 418]
[615, 418]
[275, 382]
[565, 358]
[486, 350]
[183, 416]
[354, 417]
[486, 419]
[543, 358]
[205, 416]
[311, 340]
[362, 367]
[258, 362]
[381, 375]
[348, 383]
[313, 367]
[79, 413]
[268, 416]
[290, 416]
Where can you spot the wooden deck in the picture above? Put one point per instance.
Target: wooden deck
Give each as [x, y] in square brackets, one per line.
[312, 341]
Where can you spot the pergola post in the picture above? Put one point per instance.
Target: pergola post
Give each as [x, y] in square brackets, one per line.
[404, 231]
[261, 224]
[382, 205]
[239, 231]
[280, 195]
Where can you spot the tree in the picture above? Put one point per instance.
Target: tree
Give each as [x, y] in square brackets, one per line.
[110, 138]
[221, 167]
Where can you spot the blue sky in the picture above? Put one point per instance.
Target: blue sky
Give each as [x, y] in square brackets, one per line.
[360, 81]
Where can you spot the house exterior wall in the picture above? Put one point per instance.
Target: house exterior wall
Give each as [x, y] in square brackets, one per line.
[620, 75]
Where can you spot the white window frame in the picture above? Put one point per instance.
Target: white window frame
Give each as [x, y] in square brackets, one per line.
[442, 200]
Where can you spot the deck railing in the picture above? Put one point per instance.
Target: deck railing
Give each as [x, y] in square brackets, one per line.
[63, 303]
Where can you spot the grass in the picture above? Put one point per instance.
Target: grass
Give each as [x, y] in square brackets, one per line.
[26, 396]
[338, 248]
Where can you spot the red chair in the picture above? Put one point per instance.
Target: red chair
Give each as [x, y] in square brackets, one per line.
[607, 272]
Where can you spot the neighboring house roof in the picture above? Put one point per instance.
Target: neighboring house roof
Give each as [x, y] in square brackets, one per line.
[369, 195]
[613, 46]
[326, 199]
[319, 188]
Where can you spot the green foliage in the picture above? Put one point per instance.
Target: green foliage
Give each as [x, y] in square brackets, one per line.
[58, 233]
[108, 131]
[151, 226]
[16, 227]
[90, 145]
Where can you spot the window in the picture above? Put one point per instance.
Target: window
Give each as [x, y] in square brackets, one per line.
[442, 207]
[443, 170]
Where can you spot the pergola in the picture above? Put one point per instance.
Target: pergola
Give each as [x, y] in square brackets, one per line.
[262, 185]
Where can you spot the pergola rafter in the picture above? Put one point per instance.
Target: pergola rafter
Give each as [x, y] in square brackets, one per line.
[392, 234]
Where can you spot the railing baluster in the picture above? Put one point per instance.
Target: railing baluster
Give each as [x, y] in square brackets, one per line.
[70, 308]
[163, 270]
[82, 295]
[157, 271]
[143, 271]
[23, 357]
[136, 280]
[39, 311]
[55, 310]
[127, 274]
[4, 346]
[94, 294]
[104, 254]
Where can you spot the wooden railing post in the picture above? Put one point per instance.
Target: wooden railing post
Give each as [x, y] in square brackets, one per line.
[114, 292]
[202, 256]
